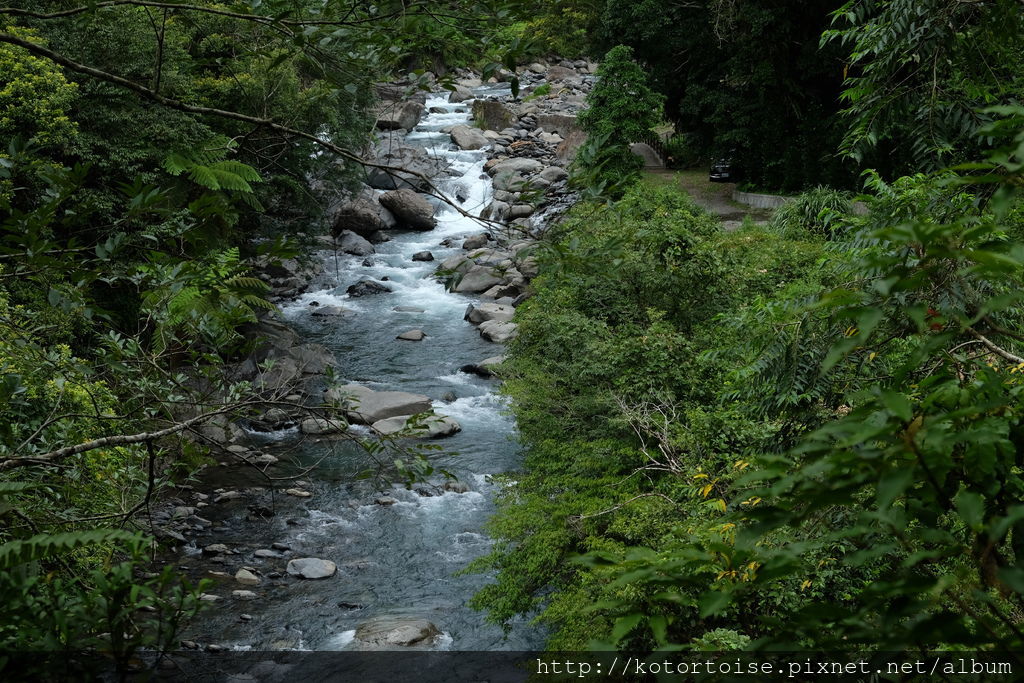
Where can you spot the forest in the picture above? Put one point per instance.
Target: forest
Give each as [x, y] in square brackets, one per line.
[799, 429]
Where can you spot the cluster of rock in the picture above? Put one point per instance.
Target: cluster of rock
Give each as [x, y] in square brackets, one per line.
[392, 413]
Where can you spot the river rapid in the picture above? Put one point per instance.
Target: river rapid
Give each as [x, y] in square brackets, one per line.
[400, 559]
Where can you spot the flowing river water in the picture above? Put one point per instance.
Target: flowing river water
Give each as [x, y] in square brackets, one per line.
[400, 560]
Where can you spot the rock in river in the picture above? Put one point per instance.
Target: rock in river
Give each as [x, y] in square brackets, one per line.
[366, 288]
[429, 427]
[412, 210]
[311, 568]
[366, 406]
[385, 632]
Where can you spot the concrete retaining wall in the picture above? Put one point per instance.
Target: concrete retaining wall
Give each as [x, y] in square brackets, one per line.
[760, 201]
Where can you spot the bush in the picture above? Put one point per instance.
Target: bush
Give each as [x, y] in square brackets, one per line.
[820, 212]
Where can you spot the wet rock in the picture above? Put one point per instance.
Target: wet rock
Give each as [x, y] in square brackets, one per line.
[478, 279]
[367, 288]
[412, 210]
[311, 568]
[228, 496]
[363, 216]
[514, 165]
[469, 138]
[265, 554]
[403, 161]
[367, 263]
[265, 459]
[418, 427]
[386, 632]
[209, 597]
[329, 311]
[448, 397]
[386, 501]
[455, 487]
[408, 309]
[243, 595]
[299, 493]
[366, 406]
[422, 256]
[247, 578]
[280, 546]
[320, 425]
[412, 335]
[350, 605]
[245, 617]
[351, 243]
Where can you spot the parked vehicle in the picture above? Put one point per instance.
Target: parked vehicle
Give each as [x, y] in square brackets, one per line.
[724, 170]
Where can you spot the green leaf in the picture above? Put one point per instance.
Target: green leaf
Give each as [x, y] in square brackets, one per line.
[971, 508]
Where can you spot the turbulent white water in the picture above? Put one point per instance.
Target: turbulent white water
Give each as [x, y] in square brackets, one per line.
[400, 559]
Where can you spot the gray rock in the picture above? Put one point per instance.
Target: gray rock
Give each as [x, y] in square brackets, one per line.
[362, 215]
[476, 241]
[460, 94]
[351, 243]
[385, 501]
[216, 549]
[469, 138]
[243, 595]
[405, 166]
[412, 335]
[247, 578]
[395, 115]
[521, 211]
[498, 210]
[492, 114]
[227, 496]
[496, 331]
[366, 406]
[423, 256]
[298, 493]
[329, 311]
[425, 427]
[367, 288]
[455, 487]
[319, 425]
[409, 309]
[311, 568]
[480, 313]
[412, 210]
[477, 279]
[263, 553]
[387, 632]
[514, 165]
[554, 174]
[561, 73]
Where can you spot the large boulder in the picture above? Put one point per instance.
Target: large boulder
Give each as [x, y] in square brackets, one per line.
[311, 568]
[418, 426]
[460, 94]
[387, 632]
[562, 124]
[362, 215]
[320, 425]
[351, 243]
[405, 166]
[469, 138]
[366, 406]
[481, 313]
[561, 73]
[395, 115]
[412, 210]
[478, 279]
[522, 165]
[367, 288]
[496, 331]
[493, 115]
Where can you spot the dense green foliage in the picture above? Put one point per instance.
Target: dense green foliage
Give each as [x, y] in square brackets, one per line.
[797, 438]
[150, 153]
[621, 109]
[894, 85]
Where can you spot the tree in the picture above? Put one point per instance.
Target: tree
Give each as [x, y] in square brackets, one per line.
[621, 109]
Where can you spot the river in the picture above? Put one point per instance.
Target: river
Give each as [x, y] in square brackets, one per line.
[399, 560]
